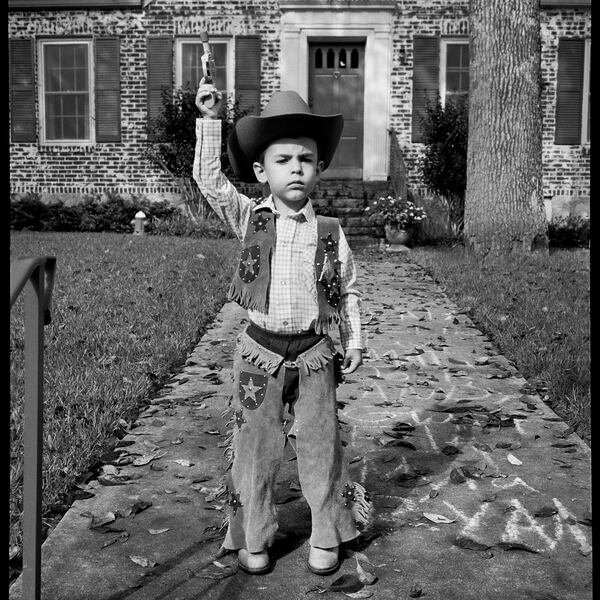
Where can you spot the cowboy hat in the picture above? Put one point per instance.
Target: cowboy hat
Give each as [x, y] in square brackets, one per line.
[285, 115]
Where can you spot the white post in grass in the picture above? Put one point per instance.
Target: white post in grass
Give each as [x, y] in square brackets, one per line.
[139, 223]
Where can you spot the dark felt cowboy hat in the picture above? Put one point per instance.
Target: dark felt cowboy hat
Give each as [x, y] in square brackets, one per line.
[285, 115]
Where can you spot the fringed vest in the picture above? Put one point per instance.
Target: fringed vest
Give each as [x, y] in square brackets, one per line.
[250, 285]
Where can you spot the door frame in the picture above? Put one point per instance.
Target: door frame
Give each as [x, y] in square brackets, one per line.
[374, 27]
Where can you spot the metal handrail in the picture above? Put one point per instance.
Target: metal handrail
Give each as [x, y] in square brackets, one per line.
[36, 276]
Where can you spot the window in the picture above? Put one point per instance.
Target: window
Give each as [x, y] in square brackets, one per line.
[189, 64]
[454, 69]
[66, 94]
[587, 94]
[572, 111]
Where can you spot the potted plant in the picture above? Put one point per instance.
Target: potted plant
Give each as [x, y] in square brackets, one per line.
[398, 215]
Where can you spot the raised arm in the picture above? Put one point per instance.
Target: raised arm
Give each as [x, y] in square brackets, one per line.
[230, 206]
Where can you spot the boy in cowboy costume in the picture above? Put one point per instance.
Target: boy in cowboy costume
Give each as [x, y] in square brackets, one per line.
[297, 279]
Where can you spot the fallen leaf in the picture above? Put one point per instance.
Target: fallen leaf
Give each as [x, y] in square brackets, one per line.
[315, 588]
[402, 443]
[403, 426]
[147, 458]
[184, 462]
[346, 583]
[220, 565]
[364, 576]
[472, 472]
[139, 507]
[438, 518]
[99, 521]
[516, 546]
[449, 450]
[122, 537]
[513, 460]
[469, 544]
[158, 531]
[364, 593]
[456, 476]
[143, 562]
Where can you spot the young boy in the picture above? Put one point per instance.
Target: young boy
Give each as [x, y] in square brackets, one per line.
[297, 279]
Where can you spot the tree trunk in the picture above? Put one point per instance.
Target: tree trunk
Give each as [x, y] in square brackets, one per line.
[504, 209]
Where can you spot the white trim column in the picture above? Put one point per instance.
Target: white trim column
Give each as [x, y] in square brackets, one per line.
[375, 28]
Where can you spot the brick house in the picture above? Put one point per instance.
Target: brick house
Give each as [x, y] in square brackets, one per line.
[85, 77]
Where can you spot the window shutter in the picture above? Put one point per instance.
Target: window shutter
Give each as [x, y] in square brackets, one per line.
[247, 73]
[426, 72]
[108, 90]
[22, 90]
[159, 71]
[569, 90]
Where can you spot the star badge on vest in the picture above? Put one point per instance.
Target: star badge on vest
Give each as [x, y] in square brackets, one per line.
[260, 223]
[250, 264]
[252, 388]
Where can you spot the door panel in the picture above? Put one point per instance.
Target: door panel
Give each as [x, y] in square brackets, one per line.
[336, 85]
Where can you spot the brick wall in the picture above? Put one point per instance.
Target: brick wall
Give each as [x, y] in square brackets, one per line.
[60, 171]
[566, 169]
[121, 167]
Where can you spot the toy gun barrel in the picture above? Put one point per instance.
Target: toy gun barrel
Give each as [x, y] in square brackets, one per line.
[208, 63]
[208, 67]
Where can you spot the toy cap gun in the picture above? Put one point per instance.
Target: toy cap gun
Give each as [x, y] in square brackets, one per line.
[208, 68]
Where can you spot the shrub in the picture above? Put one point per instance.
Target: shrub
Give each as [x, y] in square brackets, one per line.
[28, 213]
[63, 218]
[93, 214]
[437, 229]
[443, 165]
[180, 225]
[172, 143]
[569, 232]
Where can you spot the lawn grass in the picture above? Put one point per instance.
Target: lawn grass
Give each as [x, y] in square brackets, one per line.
[536, 309]
[126, 311]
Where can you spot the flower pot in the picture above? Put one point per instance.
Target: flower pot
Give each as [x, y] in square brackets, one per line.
[396, 236]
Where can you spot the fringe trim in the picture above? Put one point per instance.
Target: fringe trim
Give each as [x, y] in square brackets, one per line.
[244, 297]
[317, 357]
[325, 323]
[228, 443]
[224, 523]
[258, 355]
[362, 506]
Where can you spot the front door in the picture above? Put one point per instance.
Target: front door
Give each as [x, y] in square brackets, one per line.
[336, 85]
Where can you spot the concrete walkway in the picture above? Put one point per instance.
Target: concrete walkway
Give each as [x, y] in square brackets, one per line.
[479, 490]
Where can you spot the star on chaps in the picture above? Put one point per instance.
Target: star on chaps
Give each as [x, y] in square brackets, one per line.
[252, 388]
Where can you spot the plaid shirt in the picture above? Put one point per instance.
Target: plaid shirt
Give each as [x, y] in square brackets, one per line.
[293, 304]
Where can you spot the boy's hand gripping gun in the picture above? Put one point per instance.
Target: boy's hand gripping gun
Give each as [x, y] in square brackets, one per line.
[208, 68]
